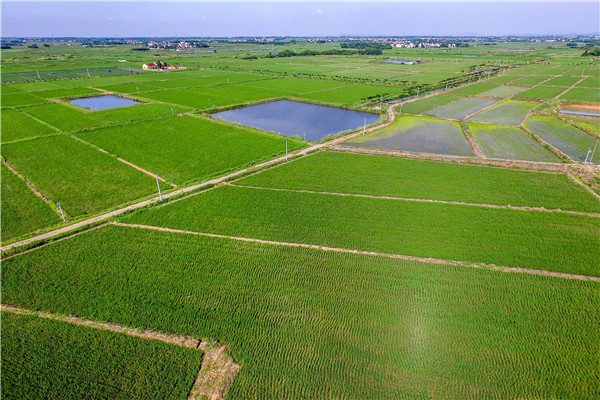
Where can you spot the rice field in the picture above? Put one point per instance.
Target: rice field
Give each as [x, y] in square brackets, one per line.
[83, 179]
[421, 106]
[461, 108]
[389, 176]
[502, 91]
[53, 359]
[565, 137]
[320, 324]
[418, 134]
[564, 81]
[505, 113]
[563, 242]
[582, 94]
[18, 126]
[540, 93]
[22, 210]
[511, 143]
[184, 149]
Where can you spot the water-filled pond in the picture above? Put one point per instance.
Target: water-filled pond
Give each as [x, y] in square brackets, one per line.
[103, 102]
[293, 118]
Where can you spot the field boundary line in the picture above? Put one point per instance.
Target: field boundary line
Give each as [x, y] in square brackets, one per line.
[471, 140]
[410, 199]
[216, 371]
[581, 128]
[28, 182]
[546, 144]
[586, 187]
[54, 128]
[425, 260]
[569, 88]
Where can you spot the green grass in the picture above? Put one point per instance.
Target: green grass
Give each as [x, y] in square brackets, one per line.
[460, 109]
[540, 93]
[582, 94]
[565, 243]
[529, 80]
[22, 210]
[509, 142]
[187, 148]
[17, 126]
[45, 359]
[312, 324]
[418, 134]
[591, 82]
[389, 176]
[567, 138]
[506, 113]
[590, 124]
[20, 99]
[419, 107]
[71, 119]
[564, 81]
[83, 179]
[473, 89]
[51, 94]
[503, 91]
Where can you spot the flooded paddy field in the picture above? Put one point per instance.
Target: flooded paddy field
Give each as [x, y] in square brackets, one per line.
[509, 143]
[460, 109]
[418, 134]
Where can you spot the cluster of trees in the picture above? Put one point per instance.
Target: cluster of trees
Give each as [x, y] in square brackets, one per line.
[591, 51]
[328, 52]
[364, 45]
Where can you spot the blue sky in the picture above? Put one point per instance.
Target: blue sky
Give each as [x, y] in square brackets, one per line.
[194, 19]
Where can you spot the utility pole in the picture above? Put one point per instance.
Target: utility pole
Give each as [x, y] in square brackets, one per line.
[418, 88]
[365, 126]
[172, 111]
[39, 77]
[304, 137]
[380, 101]
[88, 72]
[587, 155]
[286, 149]
[158, 184]
[59, 209]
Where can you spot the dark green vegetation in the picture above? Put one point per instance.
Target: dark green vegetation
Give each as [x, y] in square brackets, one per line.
[582, 94]
[189, 148]
[18, 126]
[45, 359]
[82, 178]
[509, 142]
[564, 243]
[22, 210]
[419, 134]
[306, 323]
[397, 177]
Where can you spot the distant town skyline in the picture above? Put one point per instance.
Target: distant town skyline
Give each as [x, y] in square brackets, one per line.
[222, 19]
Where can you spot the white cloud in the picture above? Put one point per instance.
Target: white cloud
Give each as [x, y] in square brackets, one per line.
[203, 19]
[318, 11]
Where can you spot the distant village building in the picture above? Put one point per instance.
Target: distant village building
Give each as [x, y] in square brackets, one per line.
[160, 66]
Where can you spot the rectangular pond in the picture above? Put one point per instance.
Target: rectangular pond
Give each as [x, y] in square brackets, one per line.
[103, 102]
[293, 118]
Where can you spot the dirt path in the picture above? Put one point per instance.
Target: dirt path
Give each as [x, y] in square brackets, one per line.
[29, 184]
[216, 371]
[461, 203]
[369, 253]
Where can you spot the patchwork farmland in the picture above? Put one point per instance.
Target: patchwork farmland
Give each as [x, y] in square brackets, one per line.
[449, 249]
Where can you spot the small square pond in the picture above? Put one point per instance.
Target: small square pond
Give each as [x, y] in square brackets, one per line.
[103, 102]
[293, 118]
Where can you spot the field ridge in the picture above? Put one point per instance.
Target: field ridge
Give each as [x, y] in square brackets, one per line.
[367, 253]
[216, 372]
